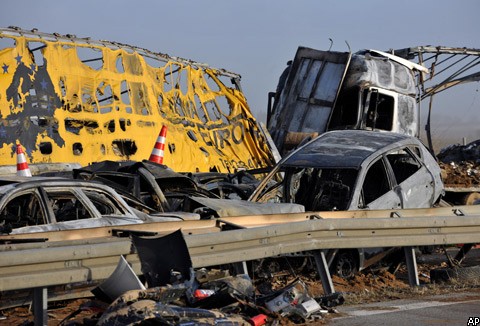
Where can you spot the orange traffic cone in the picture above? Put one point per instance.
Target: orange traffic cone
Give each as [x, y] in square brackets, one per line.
[157, 152]
[22, 166]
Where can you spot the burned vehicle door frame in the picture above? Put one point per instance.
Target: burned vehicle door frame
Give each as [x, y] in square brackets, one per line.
[56, 204]
[82, 203]
[375, 194]
[404, 171]
[379, 109]
[409, 169]
[23, 208]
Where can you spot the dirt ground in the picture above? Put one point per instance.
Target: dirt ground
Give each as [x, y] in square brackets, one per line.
[369, 286]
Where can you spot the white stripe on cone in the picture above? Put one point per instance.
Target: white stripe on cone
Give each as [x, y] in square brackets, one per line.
[158, 149]
[22, 166]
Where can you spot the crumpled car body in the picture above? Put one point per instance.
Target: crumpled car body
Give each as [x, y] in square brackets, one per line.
[39, 204]
[355, 169]
[165, 190]
[352, 170]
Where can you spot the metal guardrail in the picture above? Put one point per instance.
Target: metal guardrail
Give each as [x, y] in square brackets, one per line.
[43, 264]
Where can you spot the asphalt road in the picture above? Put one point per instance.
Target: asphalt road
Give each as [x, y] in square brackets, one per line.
[447, 309]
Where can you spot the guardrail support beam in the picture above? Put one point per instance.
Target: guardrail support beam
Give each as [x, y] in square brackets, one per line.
[323, 271]
[40, 307]
[463, 252]
[411, 266]
[240, 267]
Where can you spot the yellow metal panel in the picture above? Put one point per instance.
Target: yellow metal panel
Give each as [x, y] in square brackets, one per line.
[64, 110]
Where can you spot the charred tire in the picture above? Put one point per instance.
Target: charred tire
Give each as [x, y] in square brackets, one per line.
[345, 264]
[471, 198]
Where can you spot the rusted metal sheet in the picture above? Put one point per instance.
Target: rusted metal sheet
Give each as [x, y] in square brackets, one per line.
[308, 97]
[69, 99]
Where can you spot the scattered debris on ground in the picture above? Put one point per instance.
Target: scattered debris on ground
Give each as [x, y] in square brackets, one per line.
[460, 164]
[463, 173]
[244, 301]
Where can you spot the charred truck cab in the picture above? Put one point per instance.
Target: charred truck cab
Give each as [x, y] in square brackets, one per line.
[324, 90]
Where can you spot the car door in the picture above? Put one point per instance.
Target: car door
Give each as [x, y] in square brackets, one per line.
[77, 207]
[414, 183]
[377, 189]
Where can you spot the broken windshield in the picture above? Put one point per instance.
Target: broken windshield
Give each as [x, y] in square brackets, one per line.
[315, 188]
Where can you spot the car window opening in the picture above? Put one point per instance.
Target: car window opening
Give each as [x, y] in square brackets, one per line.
[323, 189]
[380, 111]
[403, 164]
[345, 113]
[23, 210]
[376, 182]
[69, 209]
[103, 204]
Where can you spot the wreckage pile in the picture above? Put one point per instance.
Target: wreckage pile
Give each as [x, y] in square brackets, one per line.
[226, 300]
[214, 296]
[460, 164]
[462, 174]
[176, 294]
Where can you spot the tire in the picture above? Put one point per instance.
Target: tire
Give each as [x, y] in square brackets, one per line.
[345, 265]
[471, 198]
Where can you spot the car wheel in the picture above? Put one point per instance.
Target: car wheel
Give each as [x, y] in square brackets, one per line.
[471, 198]
[345, 265]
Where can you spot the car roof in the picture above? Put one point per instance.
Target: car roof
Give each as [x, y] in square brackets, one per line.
[343, 148]
[11, 179]
[9, 182]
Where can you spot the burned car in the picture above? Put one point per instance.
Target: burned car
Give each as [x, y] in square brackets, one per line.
[157, 186]
[37, 204]
[352, 170]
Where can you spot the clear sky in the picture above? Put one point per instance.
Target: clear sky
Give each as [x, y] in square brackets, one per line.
[255, 38]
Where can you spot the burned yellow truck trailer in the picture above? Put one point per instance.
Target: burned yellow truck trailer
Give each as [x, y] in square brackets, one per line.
[69, 99]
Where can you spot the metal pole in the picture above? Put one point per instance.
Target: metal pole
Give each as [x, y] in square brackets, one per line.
[322, 268]
[428, 127]
[411, 266]
[40, 307]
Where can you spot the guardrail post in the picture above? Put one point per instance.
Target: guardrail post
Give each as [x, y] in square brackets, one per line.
[323, 271]
[411, 266]
[240, 267]
[40, 307]
[463, 252]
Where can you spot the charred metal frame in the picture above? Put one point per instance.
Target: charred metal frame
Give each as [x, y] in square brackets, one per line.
[453, 62]
[16, 31]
